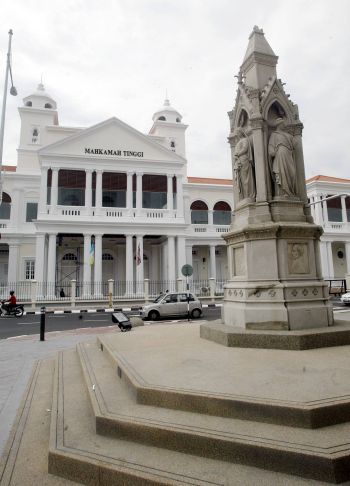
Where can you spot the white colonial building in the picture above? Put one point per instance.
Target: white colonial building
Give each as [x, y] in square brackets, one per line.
[108, 203]
[329, 198]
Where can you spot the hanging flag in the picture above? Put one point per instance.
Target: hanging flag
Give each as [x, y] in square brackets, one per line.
[92, 253]
[138, 256]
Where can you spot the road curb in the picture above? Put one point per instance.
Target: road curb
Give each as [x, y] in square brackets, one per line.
[100, 310]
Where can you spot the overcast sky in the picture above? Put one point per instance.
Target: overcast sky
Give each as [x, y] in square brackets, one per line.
[117, 58]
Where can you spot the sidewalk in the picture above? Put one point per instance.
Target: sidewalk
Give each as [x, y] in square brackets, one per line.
[17, 356]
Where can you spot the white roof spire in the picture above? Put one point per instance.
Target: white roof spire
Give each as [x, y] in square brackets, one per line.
[166, 101]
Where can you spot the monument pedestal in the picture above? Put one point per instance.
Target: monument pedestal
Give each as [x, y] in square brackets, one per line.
[276, 278]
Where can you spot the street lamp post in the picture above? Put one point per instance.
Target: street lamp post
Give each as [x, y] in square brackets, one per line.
[13, 92]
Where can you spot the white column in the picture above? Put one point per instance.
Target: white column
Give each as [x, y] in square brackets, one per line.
[51, 266]
[343, 210]
[12, 274]
[54, 189]
[181, 255]
[171, 262]
[210, 217]
[88, 190]
[179, 197]
[347, 250]
[139, 264]
[40, 258]
[98, 193]
[325, 211]
[98, 266]
[129, 271]
[43, 191]
[189, 259]
[169, 199]
[138, 193]
[87, 266]
[164, 263]
[330, 259]
[212, 262]
[347, 254]
[129, 192]
[155, 263]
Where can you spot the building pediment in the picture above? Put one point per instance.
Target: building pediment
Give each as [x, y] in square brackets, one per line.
[111, 139]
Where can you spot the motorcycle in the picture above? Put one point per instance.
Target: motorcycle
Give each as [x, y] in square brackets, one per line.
[16, 311]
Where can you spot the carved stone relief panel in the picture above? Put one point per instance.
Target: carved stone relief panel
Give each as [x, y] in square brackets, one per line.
[239, 261]
[298, 258]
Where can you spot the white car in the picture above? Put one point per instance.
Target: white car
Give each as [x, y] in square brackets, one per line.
[345, 298]
[172, 304]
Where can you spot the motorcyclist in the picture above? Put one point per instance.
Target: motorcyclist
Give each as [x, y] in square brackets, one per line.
[12, 301]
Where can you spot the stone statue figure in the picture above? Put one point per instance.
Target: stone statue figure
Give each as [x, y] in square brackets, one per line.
[282, 163]
[243, 167]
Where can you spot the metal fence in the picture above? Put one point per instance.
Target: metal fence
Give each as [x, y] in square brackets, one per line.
[119, 290]
[72, 291]
[336, 286]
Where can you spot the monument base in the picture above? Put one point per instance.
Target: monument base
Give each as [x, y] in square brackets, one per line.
[276, 280]
[300, 340]
[277, 305]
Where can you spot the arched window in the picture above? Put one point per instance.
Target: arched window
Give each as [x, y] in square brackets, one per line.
[5, 207]
[48, 105]
[162, 118]
[276, 111]
[35, 135]
[107, 257]
[29, 103]
[222, 213]
[70, 257]
[243, 119]
[199, 213]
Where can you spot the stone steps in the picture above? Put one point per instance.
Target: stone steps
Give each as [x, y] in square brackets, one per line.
[77, 453]
[104, 432]
[318, 454]
[313, 414]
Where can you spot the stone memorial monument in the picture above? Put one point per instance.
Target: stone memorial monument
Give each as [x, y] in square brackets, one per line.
[275, 279]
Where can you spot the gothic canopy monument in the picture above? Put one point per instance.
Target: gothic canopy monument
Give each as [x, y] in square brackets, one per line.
[275, 277]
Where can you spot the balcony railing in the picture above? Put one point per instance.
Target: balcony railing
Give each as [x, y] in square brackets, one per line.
[206, 228]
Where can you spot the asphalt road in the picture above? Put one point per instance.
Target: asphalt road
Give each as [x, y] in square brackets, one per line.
[19, 326]
[13, 326]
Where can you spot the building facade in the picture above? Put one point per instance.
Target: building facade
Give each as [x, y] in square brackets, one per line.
[108, 203]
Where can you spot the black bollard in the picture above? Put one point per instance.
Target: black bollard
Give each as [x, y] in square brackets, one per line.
[42, 323]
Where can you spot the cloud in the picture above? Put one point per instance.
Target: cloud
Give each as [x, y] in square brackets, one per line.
[117, 58]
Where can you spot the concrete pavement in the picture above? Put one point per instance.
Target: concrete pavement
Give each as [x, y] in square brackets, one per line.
[18, 356]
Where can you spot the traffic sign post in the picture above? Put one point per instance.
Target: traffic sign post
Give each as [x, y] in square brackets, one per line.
[187, 271]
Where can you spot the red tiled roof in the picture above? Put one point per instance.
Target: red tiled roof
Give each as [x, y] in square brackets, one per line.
[9, 168]
[207, 180]
[324, 178]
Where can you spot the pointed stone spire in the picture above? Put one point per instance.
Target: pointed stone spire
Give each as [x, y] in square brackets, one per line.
[259, 63]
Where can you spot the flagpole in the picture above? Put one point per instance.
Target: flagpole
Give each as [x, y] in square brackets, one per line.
[13, 92]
